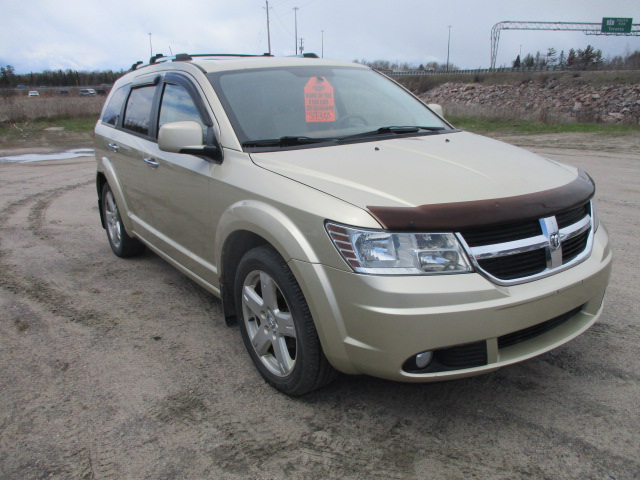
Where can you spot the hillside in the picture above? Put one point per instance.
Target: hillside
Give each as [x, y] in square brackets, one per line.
[603, 97]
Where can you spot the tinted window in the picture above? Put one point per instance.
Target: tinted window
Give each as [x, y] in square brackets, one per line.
[178, 106]
[114, 107]
[137, 116]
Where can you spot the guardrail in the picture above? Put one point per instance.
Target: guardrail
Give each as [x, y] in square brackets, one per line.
[400, 73]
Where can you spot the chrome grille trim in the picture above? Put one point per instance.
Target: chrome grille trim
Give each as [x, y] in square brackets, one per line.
[551, 241]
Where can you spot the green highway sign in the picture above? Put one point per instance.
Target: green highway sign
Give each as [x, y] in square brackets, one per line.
[616, 25]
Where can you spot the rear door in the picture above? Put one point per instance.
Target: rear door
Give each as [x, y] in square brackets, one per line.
[129, 114]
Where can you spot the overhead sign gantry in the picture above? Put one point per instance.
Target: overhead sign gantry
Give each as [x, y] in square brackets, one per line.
[609, 26]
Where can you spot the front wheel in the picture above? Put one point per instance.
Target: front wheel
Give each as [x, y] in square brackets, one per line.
[276, 325]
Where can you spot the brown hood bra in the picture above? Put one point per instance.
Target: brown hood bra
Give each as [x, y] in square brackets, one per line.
[486, 213]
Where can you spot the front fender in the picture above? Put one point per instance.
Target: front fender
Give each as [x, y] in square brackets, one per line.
[269, 223]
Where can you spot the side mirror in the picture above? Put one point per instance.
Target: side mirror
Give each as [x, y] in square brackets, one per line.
[187, 137]
[437, 109]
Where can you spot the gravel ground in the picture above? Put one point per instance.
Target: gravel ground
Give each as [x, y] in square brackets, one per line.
[124, 369]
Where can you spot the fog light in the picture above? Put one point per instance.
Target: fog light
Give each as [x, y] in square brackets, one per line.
[423, 359]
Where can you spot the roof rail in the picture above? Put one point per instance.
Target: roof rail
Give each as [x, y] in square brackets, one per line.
[229, 55]
[185, 57]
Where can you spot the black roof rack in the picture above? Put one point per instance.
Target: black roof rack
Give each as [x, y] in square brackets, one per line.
[155, 58]
[185, 57]
[306, 55]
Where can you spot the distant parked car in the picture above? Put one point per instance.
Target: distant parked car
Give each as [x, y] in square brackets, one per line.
[101, 92]
[64, 92]
[34, 93]
[87, 91]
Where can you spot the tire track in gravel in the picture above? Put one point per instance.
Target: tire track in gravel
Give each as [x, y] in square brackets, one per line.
[57, 302]
[249, 445]
[73, 456]
[608, 461]
[80, 454]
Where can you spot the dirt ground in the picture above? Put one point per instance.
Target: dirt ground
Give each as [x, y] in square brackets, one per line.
[124, 369]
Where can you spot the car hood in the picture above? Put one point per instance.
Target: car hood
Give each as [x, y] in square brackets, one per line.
[427, 170]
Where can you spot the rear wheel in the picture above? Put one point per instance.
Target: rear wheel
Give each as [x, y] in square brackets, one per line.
[276, 325]
[122, 244]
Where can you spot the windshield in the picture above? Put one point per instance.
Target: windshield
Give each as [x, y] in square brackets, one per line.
[303, 105]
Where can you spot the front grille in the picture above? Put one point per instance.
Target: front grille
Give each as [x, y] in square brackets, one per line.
[502, 234]
[574, 246]
[532, 332]
[516, 266]
[570, 217]
[509, 253]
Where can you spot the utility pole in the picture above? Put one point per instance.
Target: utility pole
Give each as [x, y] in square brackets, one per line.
[268, 30]
[301, 45]
[448, 44]
[295, 16]
[150, 46]
[322, 31]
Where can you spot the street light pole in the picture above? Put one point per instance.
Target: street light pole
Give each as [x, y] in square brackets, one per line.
[448, 44]
[295, 16]
[150, 46]
[268, 28]
[322, 31]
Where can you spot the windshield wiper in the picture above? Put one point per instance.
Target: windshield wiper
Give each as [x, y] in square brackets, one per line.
[286, 141]
[395, 129]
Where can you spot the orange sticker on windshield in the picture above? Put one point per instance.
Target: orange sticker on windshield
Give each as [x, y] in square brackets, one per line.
[319, 103]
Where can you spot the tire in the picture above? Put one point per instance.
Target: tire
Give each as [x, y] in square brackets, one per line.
[121, 243]
[276, 325]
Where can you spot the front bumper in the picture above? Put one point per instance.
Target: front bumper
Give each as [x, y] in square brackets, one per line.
[373, 324]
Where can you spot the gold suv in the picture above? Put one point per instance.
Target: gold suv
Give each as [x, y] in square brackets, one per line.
[343, 223]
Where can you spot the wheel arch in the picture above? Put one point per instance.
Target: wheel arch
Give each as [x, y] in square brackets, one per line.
[246, 225]
[100, 181]
[106, 174]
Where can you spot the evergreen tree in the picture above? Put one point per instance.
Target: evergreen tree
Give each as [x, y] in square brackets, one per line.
[529, 61]
[516, 62]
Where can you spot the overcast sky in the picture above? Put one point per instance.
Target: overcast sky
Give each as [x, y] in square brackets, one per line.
[40, 35]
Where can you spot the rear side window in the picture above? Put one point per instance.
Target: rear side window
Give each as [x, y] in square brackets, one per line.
[137, 115]
[114, 107]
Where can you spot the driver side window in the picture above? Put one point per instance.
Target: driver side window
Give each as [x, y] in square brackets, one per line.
[178, 106]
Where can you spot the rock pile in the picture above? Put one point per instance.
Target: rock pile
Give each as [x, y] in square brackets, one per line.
[551, 100]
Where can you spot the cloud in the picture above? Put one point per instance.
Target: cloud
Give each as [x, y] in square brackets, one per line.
[92, 35]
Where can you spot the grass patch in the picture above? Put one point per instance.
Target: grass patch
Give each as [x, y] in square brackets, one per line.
[84, 125]
[32, 127]
[491, 124]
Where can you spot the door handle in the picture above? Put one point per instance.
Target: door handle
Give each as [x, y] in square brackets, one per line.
[151, 162]
[114, 147]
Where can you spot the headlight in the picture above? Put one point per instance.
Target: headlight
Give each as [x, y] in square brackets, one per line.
[385, 253]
